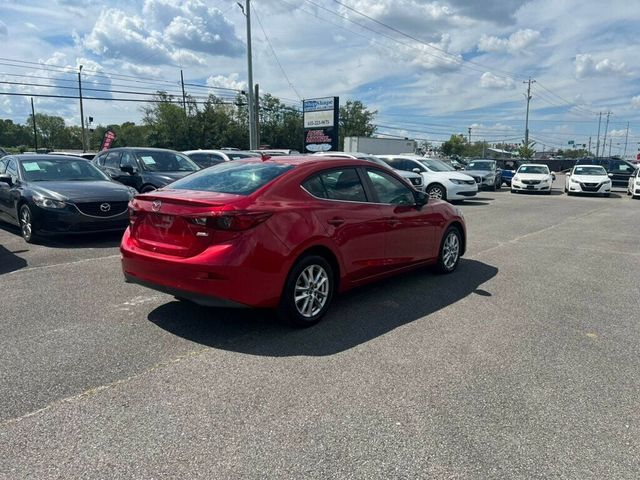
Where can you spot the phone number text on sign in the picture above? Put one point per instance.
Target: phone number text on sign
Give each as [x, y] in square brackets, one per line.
[318, 119]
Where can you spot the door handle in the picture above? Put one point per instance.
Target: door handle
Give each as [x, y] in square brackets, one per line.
[393, 221]
[336, 221]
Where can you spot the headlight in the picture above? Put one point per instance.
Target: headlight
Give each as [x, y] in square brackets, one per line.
[574, 181]
[607, 181]
[132, 192]
[456, 181]
[637, 182]
[515, 179]
[45, 202]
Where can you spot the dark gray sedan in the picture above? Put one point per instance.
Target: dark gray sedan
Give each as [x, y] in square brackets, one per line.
[46, 194]
[486, 173]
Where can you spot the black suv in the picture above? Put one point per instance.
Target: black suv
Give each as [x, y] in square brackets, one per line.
[144, 169]
[619, 170]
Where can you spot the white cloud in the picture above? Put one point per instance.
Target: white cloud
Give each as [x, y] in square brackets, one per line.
[230, 81]
[489, 80]
[514, 43]
[432, 56]
[635, 102]
[587, 66]
[618, 133]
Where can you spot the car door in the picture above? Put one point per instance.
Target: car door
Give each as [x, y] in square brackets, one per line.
[410, 231]
[4, 192]
[620, 172]
[355, 224]
[10, 194]
[128, 159]
[111, 165]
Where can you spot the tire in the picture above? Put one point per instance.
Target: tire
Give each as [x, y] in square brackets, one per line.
[147, 189]
[450, 246]
[497, 185]
[27, 227]
[313, 276]
[437, 192]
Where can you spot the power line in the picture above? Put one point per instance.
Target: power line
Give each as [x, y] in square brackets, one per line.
[266, 37]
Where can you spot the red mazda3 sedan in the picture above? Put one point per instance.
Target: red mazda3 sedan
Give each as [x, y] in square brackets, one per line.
[285, 233]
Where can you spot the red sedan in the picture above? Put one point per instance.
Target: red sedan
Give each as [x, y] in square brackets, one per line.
[285, 233]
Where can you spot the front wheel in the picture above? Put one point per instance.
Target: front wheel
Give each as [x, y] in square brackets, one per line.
[27, 228]
[437, 192]
[449, 255]
[148, 188]
[307, 292]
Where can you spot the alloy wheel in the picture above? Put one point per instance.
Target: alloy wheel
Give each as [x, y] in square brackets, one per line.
[450, 250]
[436, 193]
[311, 291]
[26, 224]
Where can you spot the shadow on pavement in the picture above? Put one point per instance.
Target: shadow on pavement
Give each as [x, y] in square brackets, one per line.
[87, 240]
[355, 317]
[9, 261]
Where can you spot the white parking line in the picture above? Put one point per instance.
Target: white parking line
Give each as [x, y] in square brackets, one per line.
[23, 270]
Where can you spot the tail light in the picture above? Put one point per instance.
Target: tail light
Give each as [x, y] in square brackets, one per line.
[232, 221]
[133, 215]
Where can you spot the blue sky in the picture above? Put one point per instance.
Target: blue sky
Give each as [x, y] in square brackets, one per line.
[429, 68]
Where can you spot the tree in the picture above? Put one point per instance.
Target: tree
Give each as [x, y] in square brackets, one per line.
[51, 130]
[526, 150]
[455, 145]
[355, 120]
[167, 123]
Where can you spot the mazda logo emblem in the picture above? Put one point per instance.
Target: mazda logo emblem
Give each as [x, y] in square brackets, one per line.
[105, 207]
[155, 206]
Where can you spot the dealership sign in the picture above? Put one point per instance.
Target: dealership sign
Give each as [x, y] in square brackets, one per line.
[320, 117]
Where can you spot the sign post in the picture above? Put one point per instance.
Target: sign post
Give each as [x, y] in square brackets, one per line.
[320, 117]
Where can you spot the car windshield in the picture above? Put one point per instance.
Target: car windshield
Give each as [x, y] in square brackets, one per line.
[488, 166]
[165, 161]
[589, 170]
[539, 169]
[238, 178]
[60, 170]
[437, 166]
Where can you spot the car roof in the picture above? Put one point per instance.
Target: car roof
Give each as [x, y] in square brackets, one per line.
[225, 152]
[138, 149]
[43, 156]
[534, 165]
[311, 161]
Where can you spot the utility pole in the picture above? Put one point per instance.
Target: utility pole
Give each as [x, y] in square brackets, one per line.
[598, 142]
[252, 114]
[604, 143]
[589, 149]
[469, 138]
[35, 132]
[256, 97]
[626, 140]
[84, 141]
[184, 97]
[610, 140]
[526, 128]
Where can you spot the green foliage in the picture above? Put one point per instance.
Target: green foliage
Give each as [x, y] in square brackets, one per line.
[355, 121]
[526, 150]
[455, 145]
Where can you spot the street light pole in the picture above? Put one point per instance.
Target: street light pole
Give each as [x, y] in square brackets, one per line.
[84, 141]
[250, 101]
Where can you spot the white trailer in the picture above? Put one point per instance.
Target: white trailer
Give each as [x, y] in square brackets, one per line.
[379, 146]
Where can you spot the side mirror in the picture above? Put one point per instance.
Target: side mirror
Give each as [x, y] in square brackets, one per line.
[610, 174]
[416, 170]
[553, 175]
[6, 178]
[421, 199]
[129, 169]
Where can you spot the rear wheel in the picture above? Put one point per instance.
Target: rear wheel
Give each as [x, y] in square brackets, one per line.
[437, 192]
[27, 227]
[147, 189]
[307, 292]
[449, 255]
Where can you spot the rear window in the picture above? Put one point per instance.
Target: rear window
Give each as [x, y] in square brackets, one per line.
[232, 177]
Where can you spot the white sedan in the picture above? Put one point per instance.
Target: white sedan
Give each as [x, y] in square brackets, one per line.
[633, 188]
[533, 178]
[588, 179]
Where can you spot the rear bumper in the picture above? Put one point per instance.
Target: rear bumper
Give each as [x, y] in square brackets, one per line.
[204, 300]
[222, 275]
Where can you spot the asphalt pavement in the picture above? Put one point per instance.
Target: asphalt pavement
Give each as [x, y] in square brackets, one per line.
[522, 364]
